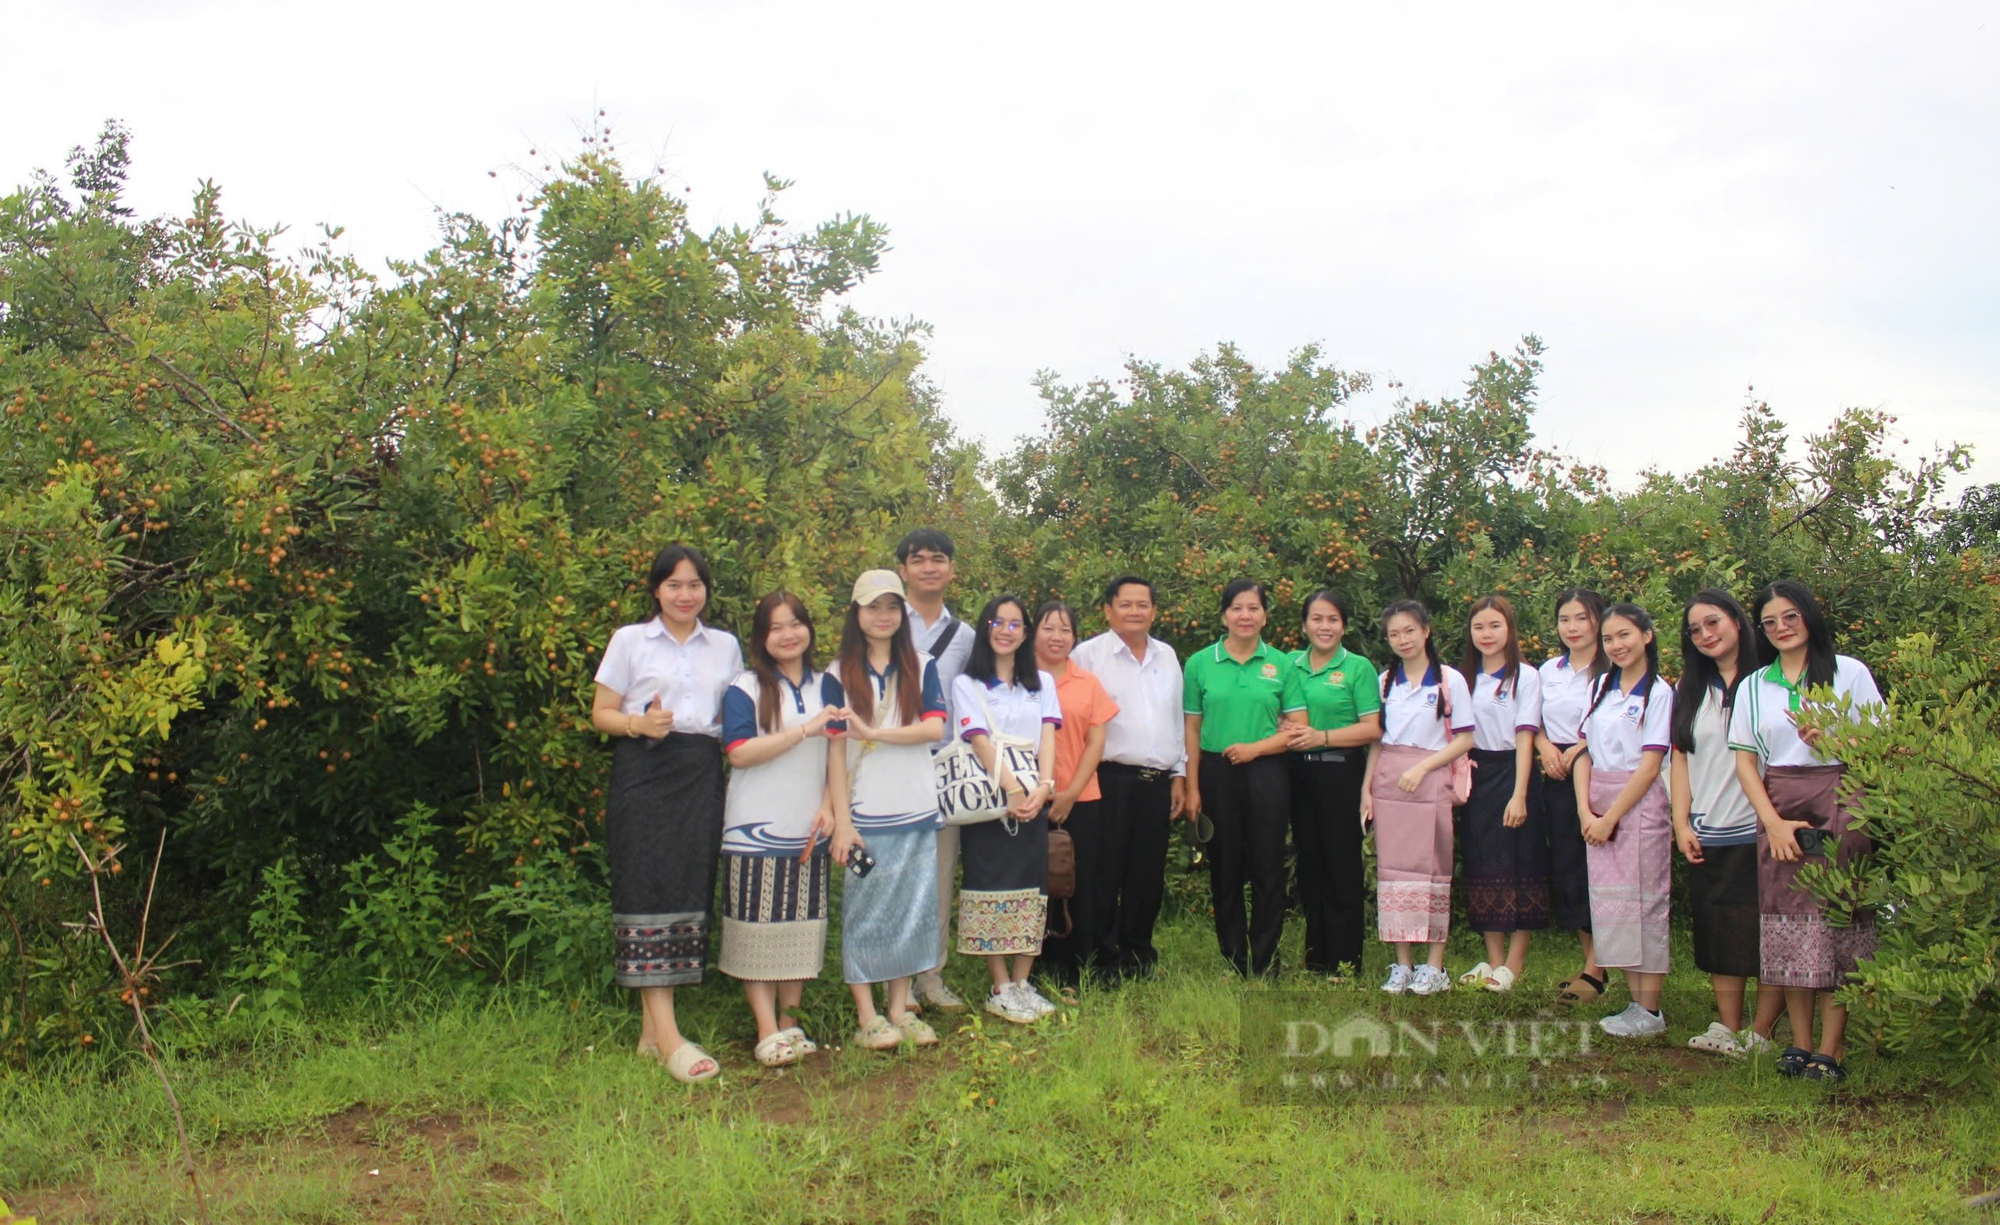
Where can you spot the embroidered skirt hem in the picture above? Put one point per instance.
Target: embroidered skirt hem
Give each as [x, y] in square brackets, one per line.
[1412, 850]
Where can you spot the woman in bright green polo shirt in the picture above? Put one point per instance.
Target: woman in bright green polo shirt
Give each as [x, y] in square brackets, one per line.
[1329, 760]
[1243, 698]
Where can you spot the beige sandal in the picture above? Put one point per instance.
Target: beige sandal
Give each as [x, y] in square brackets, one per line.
[916, 1030]
[777, 1051]
[878, 1035]
[681, 1064]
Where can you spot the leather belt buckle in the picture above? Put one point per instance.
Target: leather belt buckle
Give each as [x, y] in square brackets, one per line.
[1149, 774]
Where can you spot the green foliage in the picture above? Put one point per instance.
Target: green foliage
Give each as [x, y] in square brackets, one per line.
[395, 918]
[557, 927]
[273, 967]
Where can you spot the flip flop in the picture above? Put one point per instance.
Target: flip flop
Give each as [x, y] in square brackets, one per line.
[777, 1051]
[1573, 990]
[681, 1064]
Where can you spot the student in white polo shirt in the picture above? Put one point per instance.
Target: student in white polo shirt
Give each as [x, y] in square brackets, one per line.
[775, 868]
[1793, 780]
[925, 560]
[1568, 682]
[1623, 809]
[1143, 777]
[659, 696]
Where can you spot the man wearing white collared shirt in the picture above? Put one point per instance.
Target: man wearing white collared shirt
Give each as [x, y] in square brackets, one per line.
[924, 561]
[1143, 774]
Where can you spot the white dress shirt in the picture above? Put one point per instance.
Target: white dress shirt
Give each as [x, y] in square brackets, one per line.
[1148, 731]
[644, 662]
[950, 663]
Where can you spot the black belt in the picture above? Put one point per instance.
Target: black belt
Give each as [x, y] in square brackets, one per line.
[1145, 774]
[1336, 755]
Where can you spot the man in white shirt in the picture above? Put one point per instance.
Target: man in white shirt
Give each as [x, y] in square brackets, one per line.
[1143, 774]
[924, 559]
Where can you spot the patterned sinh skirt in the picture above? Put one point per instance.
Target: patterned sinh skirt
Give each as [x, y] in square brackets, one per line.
[774, 916]
[1506, 870]
[889, 918]
[1003, 901]
[1631, 878]
[662, 833]
[1412, 849]
[1722, 893]
[1799, 948]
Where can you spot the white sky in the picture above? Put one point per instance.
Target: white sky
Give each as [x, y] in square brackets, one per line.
[1681, 200]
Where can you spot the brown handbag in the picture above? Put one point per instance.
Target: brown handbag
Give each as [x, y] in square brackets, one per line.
[1062, 879]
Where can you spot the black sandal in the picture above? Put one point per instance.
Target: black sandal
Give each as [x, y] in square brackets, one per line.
[1793, 1060]
[1824, 1067]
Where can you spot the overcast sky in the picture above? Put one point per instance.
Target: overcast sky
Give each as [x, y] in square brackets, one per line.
[1681, 200]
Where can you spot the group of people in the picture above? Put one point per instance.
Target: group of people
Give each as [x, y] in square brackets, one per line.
[1561, 790]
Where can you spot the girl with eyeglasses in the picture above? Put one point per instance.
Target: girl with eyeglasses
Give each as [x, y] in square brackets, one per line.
[1003, 903]
[1714, 824]
[1625, 816]
[1568, 681]
[1793, 778]
[1242, 699]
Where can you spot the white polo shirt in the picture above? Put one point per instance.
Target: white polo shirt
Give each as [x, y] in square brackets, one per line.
[771, 805]
[1409, 712]
[1148, 731]
[1717, 808]
[643, 661]
[893, 786]
[1015, 711]
[1765, 702]
[1499, 712]
[1565, 697]
[1623, 727]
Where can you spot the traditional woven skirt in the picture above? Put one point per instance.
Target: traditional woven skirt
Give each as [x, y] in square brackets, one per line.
[1631, 878]
[1798, 947]
[1569, 861]
[1412, 849]
[1506, 870]
[1722, 893]
[774, 916]
[662, 833]
[1003, 899]
[889, 918]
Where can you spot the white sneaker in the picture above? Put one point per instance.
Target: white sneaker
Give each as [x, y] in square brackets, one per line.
[1634, 1022]
[1005, 1003]
[931, 990]
[1026, 994]
[1429, 980]
[1398, 981]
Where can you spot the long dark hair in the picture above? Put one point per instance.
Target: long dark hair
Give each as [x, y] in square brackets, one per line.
[853, 660]
[1819, 635]
[668, 561]
[1475, 661]
[1644, 620]
[980, 666]
[1594, 604]
[770, 713]
[1423, 618]
[1698, 671]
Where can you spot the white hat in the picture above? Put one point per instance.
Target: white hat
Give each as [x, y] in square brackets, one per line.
[874, 584]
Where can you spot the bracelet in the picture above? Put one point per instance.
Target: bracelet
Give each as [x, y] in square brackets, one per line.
[631, 722]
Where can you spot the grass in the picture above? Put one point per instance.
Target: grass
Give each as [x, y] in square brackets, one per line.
[509, 1107]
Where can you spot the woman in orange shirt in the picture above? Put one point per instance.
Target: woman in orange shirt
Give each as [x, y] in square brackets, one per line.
[1087, 944]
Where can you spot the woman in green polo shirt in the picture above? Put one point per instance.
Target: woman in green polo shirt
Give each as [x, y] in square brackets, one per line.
[1243, 698]
[1329, 760]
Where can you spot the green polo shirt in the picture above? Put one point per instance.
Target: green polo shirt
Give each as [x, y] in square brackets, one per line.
[1240, 703]
[1340, 693]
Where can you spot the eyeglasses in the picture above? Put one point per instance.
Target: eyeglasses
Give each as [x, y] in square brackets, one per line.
[1782, 619]
[1015, 626]
[1707, 625]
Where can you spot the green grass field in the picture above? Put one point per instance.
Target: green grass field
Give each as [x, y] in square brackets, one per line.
[506, 1107]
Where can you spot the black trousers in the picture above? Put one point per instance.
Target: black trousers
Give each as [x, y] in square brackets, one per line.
[1128, 871]
[1069, 957]
[1250, 805]
[1326, 834]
